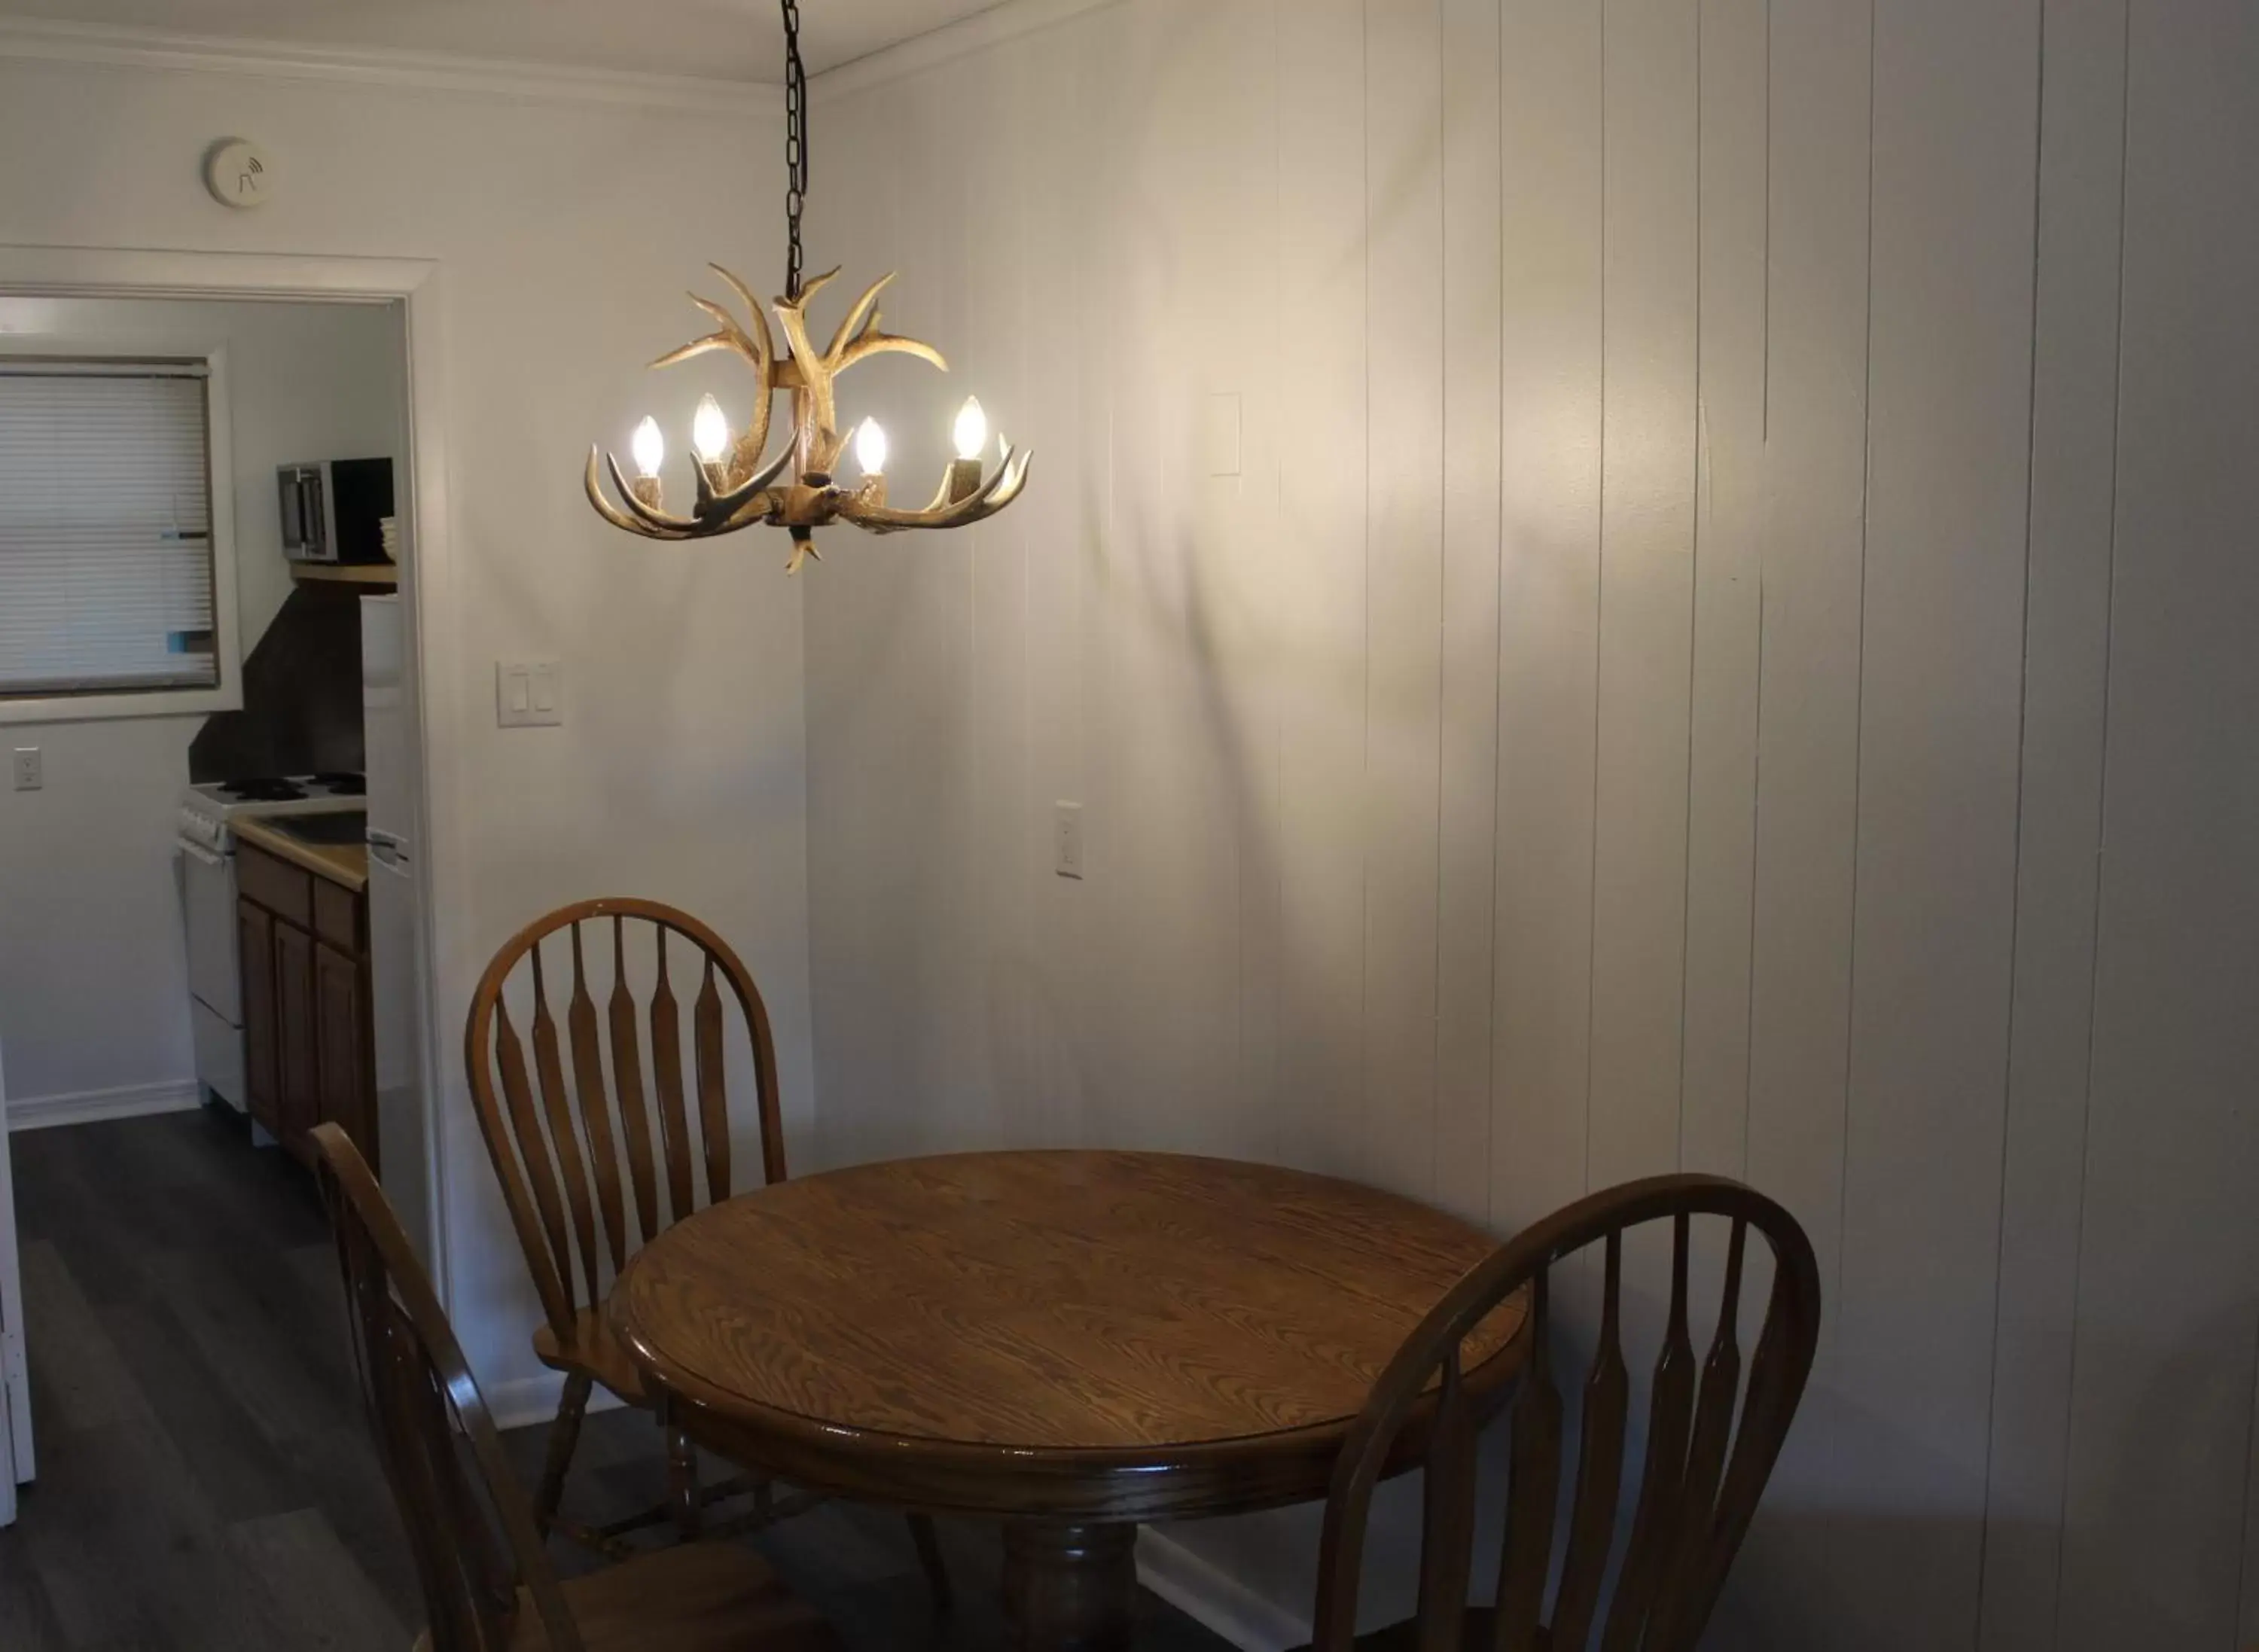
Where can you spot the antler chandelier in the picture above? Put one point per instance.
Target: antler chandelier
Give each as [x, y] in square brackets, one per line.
[796, 490]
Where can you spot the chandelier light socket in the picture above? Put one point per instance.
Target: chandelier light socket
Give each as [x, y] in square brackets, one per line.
[963, 479]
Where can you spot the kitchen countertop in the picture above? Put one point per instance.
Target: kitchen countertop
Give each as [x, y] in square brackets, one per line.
[346, 865]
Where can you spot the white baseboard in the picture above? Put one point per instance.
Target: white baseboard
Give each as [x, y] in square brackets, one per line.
[88, 1107]
[1214, 1598]
[527, 1400]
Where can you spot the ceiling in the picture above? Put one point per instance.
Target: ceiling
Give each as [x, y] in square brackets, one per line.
[728, 39]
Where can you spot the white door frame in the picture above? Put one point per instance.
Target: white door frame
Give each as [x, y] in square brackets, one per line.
[16, 1463]
[427, 578]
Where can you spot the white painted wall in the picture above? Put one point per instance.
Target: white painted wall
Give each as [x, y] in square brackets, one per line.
[93, 979]
[566, 224]
[1736, 500]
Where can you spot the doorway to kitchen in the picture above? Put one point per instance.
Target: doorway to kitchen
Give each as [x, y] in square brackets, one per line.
[216, 535]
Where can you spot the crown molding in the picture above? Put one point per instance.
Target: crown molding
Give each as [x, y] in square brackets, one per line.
[25, 38]
[976, 34]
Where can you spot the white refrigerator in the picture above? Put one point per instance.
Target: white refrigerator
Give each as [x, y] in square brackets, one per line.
[395, 922]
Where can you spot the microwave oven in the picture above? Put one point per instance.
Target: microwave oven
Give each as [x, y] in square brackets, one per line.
[334, 511]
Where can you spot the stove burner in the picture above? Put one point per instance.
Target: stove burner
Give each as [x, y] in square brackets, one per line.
[340, 785]
[263, 791]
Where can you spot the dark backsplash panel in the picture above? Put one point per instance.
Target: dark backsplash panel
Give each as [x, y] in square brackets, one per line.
[301, 695]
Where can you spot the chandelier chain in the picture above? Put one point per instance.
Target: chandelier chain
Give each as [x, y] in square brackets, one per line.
[795, 144]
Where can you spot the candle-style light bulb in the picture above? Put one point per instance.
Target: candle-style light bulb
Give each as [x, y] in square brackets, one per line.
[870, 448]
[649, 447]
[709, 432]
[972, 430]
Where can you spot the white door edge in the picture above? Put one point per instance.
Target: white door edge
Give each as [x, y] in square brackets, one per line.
[16, 1463]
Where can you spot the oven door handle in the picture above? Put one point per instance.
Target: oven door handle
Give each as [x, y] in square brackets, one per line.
[200, 852]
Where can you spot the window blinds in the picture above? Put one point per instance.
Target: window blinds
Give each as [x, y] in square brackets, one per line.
[106, 528]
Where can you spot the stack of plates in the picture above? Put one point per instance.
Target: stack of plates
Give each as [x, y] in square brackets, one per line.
[391, 525]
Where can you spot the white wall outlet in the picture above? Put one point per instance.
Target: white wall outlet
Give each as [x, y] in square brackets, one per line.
[1066, 840]
[529, 693]
[29, 774]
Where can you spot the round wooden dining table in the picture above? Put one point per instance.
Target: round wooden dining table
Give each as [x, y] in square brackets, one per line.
[1073, 1342]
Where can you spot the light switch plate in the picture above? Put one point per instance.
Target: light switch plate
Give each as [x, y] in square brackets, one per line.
[1066, 840]
[529, 693]
[29, 774]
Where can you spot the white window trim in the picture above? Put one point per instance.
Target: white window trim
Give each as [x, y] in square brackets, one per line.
[227, 650]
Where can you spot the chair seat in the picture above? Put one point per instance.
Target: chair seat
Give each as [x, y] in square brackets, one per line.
[596, 1350]
[697, 1598]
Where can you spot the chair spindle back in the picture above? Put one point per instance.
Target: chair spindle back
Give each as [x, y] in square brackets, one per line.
[575, 1160]
[1709, 1449]
[471, 1535]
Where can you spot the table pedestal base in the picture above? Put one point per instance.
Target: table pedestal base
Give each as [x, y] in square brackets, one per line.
[1070, 1588]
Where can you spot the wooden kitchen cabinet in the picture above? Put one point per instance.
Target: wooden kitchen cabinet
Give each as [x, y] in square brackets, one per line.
[294, 1033]
[344, 1086]
[306, 1002]
[262, 1037]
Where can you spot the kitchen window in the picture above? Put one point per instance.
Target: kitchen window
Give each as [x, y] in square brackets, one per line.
[116, 554]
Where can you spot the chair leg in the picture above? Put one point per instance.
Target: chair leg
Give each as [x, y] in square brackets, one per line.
[929, 1554]
[564, 1438]
[682, 1481]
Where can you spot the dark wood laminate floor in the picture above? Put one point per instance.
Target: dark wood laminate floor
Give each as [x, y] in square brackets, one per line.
[205, 1478]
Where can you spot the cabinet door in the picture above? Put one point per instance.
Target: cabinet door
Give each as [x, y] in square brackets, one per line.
[342, 1049]
[299, 1079]
[262, 1033]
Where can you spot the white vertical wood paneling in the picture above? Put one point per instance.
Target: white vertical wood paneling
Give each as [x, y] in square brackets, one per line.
[1321, 516]
[1582, 738]
[1229, 134]
[1062, 523]
[941, 1030]
[1466, 882]
[1174, 968]
[1404, 583]
[1096, 902]
[1948, 426]
[2066, 662]
[2169, 1257]
[988, 360]
[857, 872]
[1728, 584]
[1729, 523]
[1649, 293]
[1815, 417]
[1243, 357]
[1548, 603]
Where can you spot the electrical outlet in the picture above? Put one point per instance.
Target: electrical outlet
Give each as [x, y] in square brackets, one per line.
[529, 693]
[1066, 840]
[29, 774]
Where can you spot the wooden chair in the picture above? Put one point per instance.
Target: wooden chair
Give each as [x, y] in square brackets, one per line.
[1703, 1475]
[581, 1161]
[487, 1584]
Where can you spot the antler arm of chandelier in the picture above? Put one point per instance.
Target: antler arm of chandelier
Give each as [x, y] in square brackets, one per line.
[738, 491]
[985, 499]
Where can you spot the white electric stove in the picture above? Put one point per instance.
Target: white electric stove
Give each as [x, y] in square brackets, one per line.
[207, 846]
[205, 810]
